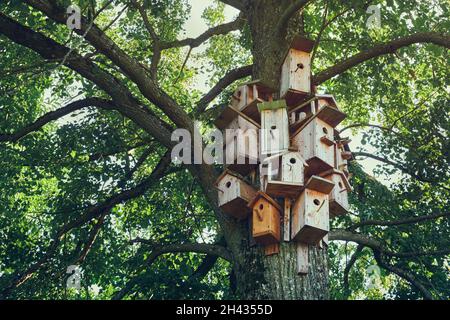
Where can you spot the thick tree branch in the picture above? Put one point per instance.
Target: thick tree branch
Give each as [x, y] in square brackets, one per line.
[380, 252]
[410, 220]
[126, 104]
[214, 31]
[227, 80]
[295, 7]
[132, 68]
[237, 4]
[348, 267]
[408, 276]
[54, 115]
[382, 49]
[397, 166]
[345, 235]
[211, 249]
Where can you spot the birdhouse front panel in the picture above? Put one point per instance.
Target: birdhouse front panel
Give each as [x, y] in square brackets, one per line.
[234, 195]
[338, 197]
[274, 131]
[292, 168]
[243, 96]
[316, 146]
[236, 124]
[265, 222]
[295, 76]
[310, 217]
[241, 151]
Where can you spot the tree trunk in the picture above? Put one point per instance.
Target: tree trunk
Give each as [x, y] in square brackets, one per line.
[275, 277]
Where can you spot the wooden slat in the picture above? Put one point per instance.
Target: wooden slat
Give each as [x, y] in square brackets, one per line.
[302, 259]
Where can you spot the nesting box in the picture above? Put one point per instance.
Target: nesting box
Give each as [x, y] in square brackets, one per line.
[296, 71]
[315, 142]
[338, 197]
[310, 215]
[234, 194]
[342, 157]
[241, 150]
[274, 133]
[265, 219]
[328, 110]
[284, 174]
[247, 97]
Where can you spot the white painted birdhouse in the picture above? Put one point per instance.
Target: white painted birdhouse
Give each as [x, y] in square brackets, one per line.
[339, 195]
[283, 174]
[310, 212]
[274, 133]
[241, 150]
[315, 142]
[234, 194]
[296, 72]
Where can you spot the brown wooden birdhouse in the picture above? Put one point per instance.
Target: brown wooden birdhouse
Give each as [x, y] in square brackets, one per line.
[265, 219]
[247, 97]
[338, 197]
[284, 174]
[310, 212]
[234, 194]
[274, 133]
[296, 71]
[241, 150]
[315, 142]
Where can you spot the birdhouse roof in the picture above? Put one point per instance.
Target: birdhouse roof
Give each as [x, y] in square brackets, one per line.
[302, 44]
[228, 172]
[341, 174]
[319, 184]
[272, 105]
[262, 88]
[329, 98]
[263, 195]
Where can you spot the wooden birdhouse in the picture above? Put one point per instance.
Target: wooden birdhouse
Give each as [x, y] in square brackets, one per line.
[241, 150]
[247, 97]
[296, 71]
[234, 194]
[315, 141]
[284, 174]
[274, 133]
[265, 219]
[338, 197]
[342, 156]
[328, 110]
[310, 212]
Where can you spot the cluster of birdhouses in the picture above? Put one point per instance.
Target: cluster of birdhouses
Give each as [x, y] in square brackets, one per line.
[289, 149]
